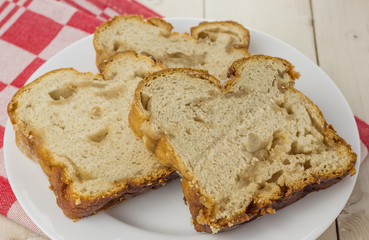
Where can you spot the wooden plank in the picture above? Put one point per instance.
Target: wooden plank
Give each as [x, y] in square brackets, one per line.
[288, 20]
[330, 233]
[353, 222]
[176, 8]
[342, 36]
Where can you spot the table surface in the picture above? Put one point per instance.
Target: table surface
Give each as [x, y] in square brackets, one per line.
[332, 33]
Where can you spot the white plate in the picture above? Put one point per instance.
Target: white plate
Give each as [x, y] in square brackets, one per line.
[161, 214]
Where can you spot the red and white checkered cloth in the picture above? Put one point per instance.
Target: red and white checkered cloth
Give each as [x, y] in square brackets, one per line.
[32, 31]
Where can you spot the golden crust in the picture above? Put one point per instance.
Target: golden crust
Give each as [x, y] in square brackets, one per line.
[234, 71]
[104, 67]
[254, 210]
[220, 26]
[66, 198]
[223, 26]
[74, 205]
[101, 54]
[200, 203]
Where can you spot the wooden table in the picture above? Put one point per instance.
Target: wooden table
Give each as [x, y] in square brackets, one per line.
[332, 33]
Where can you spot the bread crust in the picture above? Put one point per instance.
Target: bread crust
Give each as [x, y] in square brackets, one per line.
[102, 55]
[254, 210]
[200, 204]
[241, 34]
[87, 207]
[74, 205]
[223, 26]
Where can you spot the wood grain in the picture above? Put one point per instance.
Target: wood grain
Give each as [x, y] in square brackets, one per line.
[330, 233]
[342, 36]
[288, 20]
[353, 222]
[176, 8]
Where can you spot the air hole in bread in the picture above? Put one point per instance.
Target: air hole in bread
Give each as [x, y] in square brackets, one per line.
[278, 143]
[96, 112]
[307, 132]
[61, 93]
[314, 120]
[275, 177]
[307, 165]
[242, 180]
[147, 54]
[287, 106]
[113, 92]
[198, 119]
[158, 88]
[62, 127]
[188, 88]
[263, 154]
[113, 75]
[212, 36]
[177, 55]
[116, 46]
[212, 93]
[140, 74]
[185, 60]
[261, 186]
[289, 110]
[99, 135]
[238, 94]
[230, 45]
[203, 35]
[80, 176]
[224, 200]
[256, 142]
[146, 101]
[286, 162]
[281, 74]
[299, 148]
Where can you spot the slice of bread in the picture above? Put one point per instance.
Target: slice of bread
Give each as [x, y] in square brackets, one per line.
[212, 46]
[244, 149]
[76, 125]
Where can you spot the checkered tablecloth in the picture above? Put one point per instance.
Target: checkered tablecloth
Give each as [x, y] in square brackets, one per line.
[32, 31]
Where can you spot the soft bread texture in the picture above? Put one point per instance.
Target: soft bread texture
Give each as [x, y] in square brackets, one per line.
[76, 125]
[212, 46]
[244, 149]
